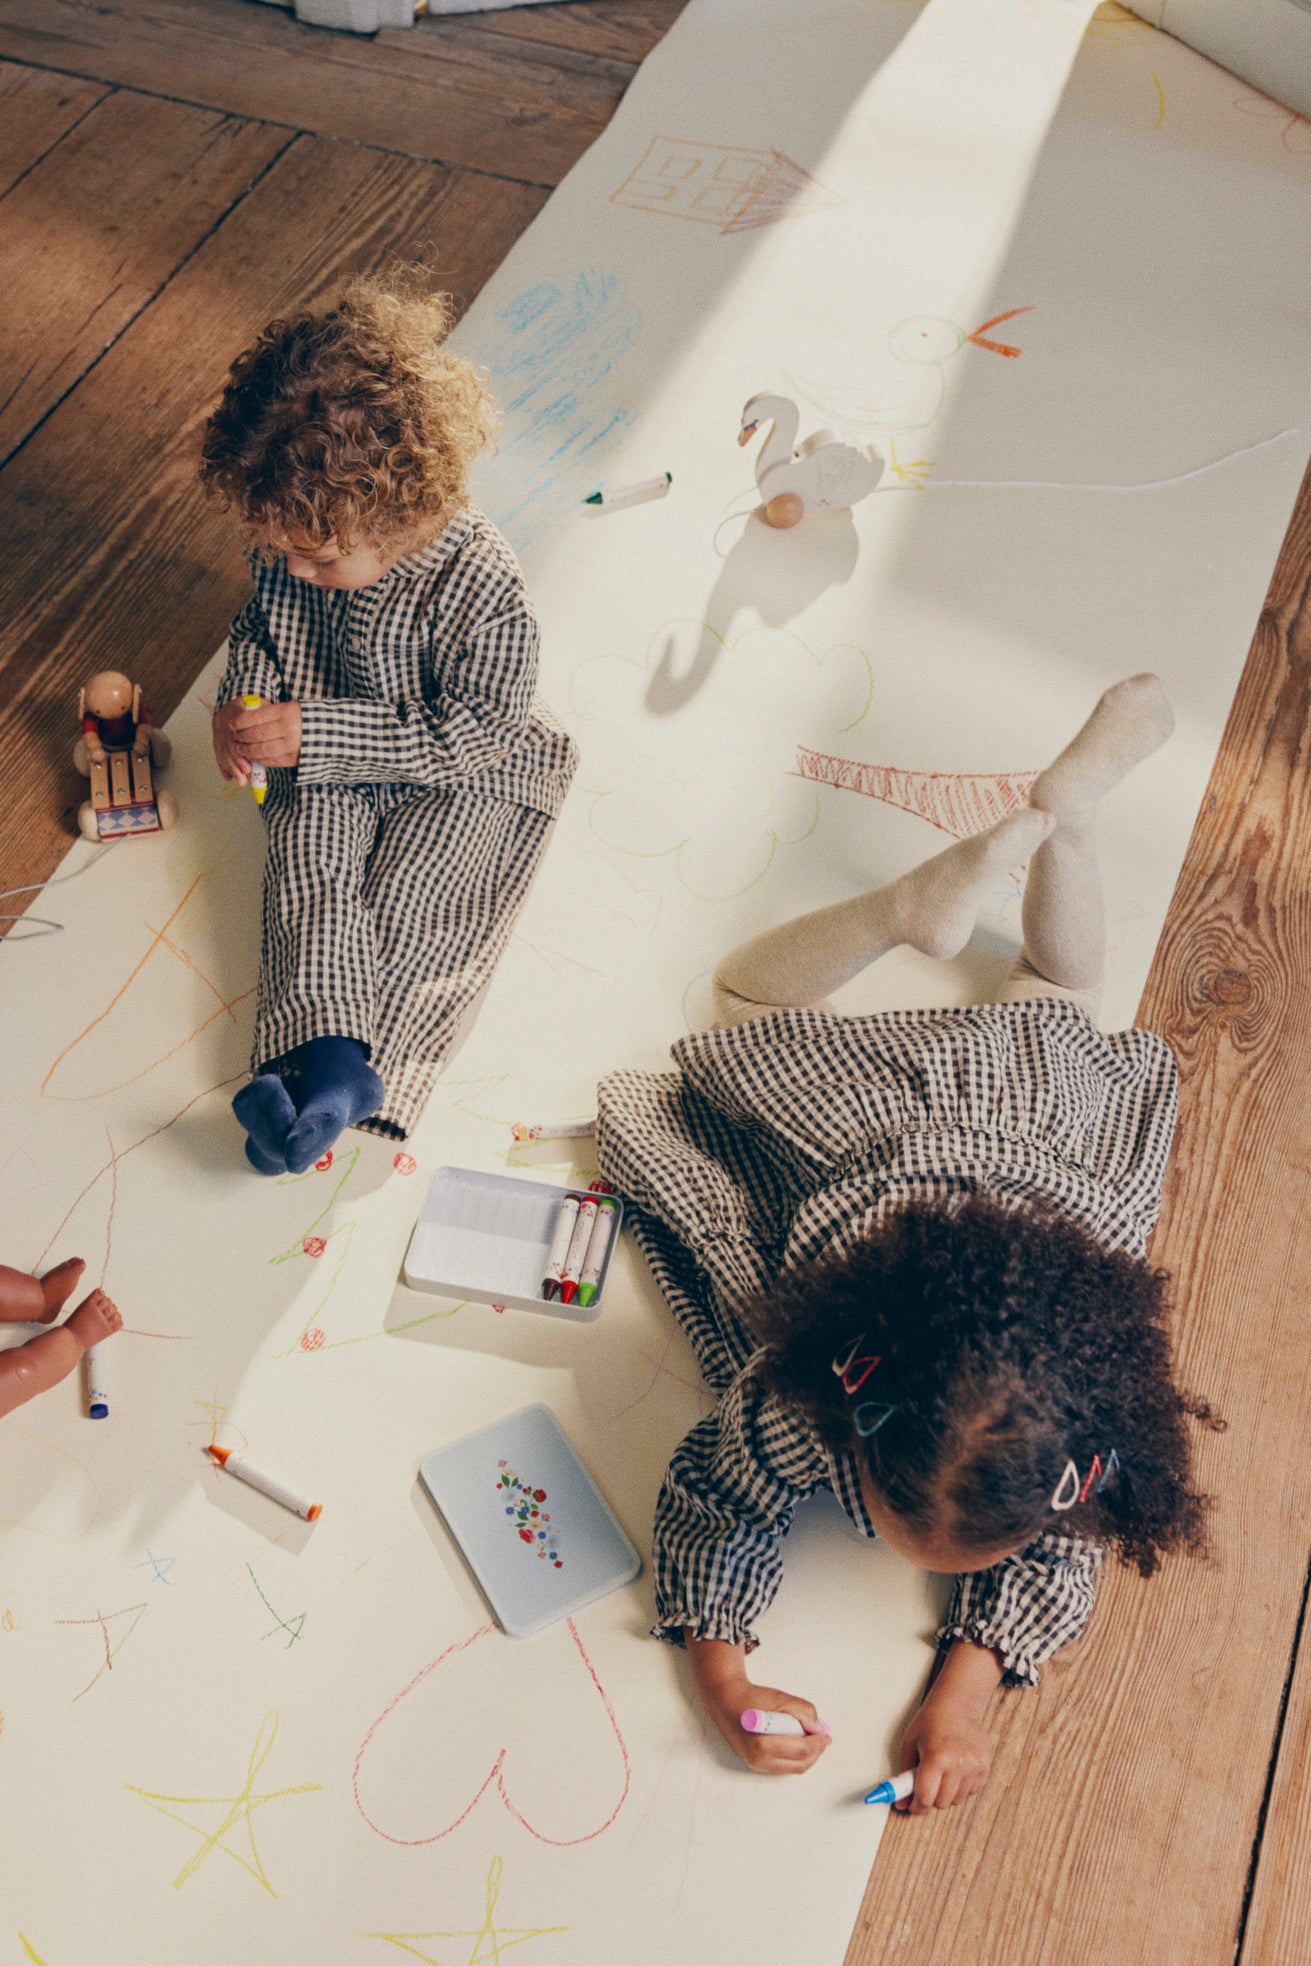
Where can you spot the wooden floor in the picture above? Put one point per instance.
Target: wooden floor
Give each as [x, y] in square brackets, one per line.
[156, 168]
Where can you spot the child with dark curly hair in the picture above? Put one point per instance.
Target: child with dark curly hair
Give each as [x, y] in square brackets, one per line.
[412, 771]
[908, 1250]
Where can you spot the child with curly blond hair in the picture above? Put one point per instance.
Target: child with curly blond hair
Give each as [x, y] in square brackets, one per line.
[412, 771]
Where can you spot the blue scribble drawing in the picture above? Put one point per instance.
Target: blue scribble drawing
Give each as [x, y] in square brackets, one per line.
[159, 1566]
[549, 360]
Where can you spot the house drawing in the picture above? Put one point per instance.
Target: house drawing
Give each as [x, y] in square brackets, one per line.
[717, 184]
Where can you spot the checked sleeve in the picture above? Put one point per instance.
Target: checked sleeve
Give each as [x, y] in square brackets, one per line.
[252, 668]
[483, 697]
[1028, 1606]
[724, 1509]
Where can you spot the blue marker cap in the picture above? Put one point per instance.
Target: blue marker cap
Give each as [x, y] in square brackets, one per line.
[98, 1410]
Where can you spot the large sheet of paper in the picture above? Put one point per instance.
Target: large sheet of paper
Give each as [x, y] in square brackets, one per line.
[1000, 253]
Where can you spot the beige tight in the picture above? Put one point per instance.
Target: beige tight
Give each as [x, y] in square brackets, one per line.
[935, 905]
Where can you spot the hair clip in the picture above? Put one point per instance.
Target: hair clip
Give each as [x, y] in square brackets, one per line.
[1069, 1489]
[879, 1409]
[845, 1367]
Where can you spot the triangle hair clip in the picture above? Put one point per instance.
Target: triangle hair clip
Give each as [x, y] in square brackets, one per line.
[870, 1415]
[847, 1368]
[1066, 1492]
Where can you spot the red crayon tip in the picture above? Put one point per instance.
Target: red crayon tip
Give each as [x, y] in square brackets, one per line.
[220, 1454]
[568, 1291]
[314, 1511]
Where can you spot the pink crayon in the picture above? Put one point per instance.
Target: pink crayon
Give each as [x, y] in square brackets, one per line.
[767, 1720]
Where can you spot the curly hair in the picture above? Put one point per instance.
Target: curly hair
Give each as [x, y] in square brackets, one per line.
[1009, 1342]
[350, 423]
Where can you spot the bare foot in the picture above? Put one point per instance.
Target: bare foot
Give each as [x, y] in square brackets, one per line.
[95, 1319]
[57, 1287]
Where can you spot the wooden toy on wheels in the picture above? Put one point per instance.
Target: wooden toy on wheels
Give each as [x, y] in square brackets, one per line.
[822, 475]
[119, 751]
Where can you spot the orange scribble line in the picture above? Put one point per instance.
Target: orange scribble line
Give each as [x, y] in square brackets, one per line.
[113, 1205]
[123, 1154]
[124, 988]
[980, 339]
[196, 970]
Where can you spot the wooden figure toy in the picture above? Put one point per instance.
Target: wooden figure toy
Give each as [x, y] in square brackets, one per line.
[116, 751]
[823, 475]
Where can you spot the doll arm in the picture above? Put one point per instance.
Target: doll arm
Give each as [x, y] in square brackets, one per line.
[1028, 1606]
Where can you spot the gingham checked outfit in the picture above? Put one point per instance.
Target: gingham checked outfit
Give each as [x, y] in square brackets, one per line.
[401, 846]
[787, 1138]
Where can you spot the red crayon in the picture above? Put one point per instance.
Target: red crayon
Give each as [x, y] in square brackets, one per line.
[578, 1241]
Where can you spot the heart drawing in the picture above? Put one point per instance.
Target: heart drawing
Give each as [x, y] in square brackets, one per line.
[546, 1715]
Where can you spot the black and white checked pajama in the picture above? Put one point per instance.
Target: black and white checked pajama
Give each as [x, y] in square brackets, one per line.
[786, 1138]
[402, 845]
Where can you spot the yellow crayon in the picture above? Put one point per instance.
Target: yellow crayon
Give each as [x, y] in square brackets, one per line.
[259, 778]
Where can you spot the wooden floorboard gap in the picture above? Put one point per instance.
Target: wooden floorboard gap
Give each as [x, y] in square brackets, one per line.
[1272, 1769]
[201, 240]
[276, 123]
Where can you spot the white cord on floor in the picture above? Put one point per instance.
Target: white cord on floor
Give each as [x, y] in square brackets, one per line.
[1047, 484]
[35, 925]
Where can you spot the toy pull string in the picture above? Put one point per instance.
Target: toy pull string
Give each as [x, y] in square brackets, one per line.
[37, 925]
[1047, 484]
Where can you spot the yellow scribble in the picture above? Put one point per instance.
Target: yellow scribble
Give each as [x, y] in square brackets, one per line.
[27, 1946]
[497, 1938]
[913, 472]
[239, 1807]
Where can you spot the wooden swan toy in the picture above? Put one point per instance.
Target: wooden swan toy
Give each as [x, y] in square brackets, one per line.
[823, 475]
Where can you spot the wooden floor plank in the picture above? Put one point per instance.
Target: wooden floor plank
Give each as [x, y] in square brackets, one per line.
[1120, 1822]
[109, 557]
[623, 30]
[1278, 1931]
[445, 90]
[158, 176]
[37, 109]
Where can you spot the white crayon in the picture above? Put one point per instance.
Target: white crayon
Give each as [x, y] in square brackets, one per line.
[97, 1383]
[245, 1469]
[565, 1224]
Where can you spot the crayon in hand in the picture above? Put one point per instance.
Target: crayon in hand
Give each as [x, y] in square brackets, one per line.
[259, 778]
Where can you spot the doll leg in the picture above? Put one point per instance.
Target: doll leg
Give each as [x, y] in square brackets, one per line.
[933, 907]
[46, 1359]
[36, 1300]
[1063, 913]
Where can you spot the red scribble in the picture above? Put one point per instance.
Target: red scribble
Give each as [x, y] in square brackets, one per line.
[961, 803]
[494, 1774]
[314, 1245]
[311, 1340]
[322, 1166]
[405, 1163]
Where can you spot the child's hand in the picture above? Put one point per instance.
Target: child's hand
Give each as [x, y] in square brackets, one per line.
[269, 735]
[718, 1669]
[947, 1743]
[767, 1754]
[232, 760]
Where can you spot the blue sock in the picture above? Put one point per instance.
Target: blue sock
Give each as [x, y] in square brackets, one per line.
[265, 1110]
[337, 1087]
